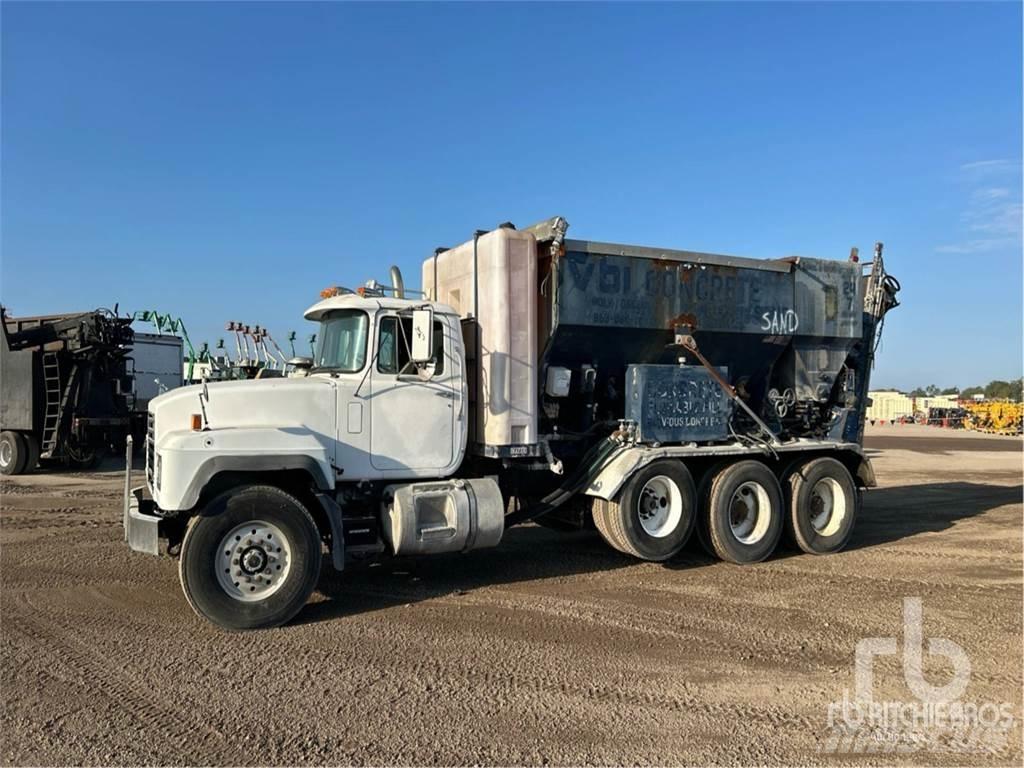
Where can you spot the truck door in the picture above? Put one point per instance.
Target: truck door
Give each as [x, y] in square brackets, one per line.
[412, 411]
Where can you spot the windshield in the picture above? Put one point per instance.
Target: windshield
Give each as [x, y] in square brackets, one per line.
[341, 341]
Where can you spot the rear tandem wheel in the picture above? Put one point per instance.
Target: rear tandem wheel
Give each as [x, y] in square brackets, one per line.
[13, 453]
[742, 511]
[652, 516]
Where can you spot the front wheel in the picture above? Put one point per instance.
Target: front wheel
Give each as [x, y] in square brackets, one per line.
[251, 559]
[81, 455]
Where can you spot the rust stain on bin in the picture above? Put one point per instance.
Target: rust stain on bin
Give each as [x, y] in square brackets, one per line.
[686, 318]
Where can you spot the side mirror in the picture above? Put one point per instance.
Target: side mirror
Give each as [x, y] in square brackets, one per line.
[422, 336]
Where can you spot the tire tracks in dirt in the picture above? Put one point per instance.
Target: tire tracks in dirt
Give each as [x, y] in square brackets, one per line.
[169, 729]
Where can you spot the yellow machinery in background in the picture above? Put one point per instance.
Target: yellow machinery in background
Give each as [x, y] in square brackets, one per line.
[997, 417]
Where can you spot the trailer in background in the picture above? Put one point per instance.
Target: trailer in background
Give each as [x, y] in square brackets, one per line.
[67, 392]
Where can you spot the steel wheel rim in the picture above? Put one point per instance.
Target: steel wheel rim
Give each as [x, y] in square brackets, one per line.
[659, 506]
[827, 506]
[749, 513]
[6, 453]
[253, 561]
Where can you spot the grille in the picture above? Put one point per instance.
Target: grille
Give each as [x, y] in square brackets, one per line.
[150, 447]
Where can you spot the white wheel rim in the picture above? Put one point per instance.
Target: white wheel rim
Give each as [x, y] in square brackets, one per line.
[750, 513]
[253, 561]
[659, 506]
[827, 506]
[6, 453]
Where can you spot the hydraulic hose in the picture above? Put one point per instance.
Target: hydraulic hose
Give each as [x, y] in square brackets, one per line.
[594, 461]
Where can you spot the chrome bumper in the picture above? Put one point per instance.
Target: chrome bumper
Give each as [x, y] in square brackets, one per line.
[141, 526]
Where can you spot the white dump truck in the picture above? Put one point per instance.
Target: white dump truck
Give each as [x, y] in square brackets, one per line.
[648, 392]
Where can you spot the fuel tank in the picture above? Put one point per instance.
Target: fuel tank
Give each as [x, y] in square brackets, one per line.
[444, 516]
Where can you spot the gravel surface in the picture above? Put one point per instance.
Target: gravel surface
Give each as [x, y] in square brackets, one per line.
[551, 649]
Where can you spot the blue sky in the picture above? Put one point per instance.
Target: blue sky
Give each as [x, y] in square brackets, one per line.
[227, 161]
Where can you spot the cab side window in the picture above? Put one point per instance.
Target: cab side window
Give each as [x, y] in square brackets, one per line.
[387, 346]
[438, 359]
[394, 344]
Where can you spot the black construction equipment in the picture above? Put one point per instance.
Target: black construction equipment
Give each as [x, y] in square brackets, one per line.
[65, 388]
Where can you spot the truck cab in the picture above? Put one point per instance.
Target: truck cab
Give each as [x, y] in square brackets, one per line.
[401, 411]
[367, 411]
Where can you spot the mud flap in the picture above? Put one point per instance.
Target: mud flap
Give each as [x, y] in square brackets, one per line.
[333, 512]
[866, 474]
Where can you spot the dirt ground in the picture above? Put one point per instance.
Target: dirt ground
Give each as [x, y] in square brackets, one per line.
[551, 649]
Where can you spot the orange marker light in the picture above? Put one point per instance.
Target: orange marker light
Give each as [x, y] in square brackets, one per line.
[197, 422]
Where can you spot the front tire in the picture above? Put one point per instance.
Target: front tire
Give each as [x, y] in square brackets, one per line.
[81, 456]
[743, 509]
[822, 504]
[652, 516]
[251, 559]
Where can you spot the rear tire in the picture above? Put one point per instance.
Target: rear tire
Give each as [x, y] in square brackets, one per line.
[703, 492]
[600, 514]
[32, 451]
[251, 559]
[822, 502]
[743, 511]
[13, 453]
[652, 516]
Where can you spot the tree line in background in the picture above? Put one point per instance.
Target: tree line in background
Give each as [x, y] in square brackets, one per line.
[994, 390]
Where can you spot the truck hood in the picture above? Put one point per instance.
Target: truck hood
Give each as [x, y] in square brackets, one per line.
[309, 403]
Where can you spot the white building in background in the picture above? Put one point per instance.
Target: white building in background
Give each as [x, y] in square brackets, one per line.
[939, 401]
[888, 404]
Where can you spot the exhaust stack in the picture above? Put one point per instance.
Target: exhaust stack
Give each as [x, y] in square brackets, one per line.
[397, 282]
